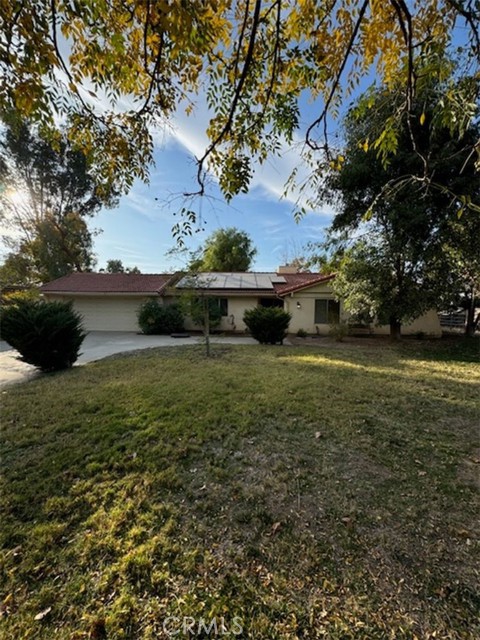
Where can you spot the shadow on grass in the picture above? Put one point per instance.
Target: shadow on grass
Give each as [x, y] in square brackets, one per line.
[306, 493]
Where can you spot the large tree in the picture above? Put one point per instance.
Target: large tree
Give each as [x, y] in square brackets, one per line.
[461, 255]
[116, 266]
[413, 237]
[224, 250]
[114, 69]
[49, 192]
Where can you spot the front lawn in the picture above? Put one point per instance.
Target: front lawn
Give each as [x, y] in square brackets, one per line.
[292, 492]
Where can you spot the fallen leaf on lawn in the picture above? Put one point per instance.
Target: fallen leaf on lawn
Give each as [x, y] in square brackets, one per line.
[275, 527]
[42, 614]
[422, 473]
[318, 434]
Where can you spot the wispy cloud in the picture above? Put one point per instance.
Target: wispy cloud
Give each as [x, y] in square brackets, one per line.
[269, 178]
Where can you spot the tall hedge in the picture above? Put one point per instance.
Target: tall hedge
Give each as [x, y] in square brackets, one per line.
[46, 334]
[268, 325]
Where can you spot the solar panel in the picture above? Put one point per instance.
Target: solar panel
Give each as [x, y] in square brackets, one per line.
[231, 281]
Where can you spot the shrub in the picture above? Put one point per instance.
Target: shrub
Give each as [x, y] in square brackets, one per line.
[268, 325]
[47, 334]
[155, 319]
[301, 333]
[17, 297]
[14, 298]
[338, 331]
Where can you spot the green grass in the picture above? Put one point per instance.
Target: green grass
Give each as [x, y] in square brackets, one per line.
[308, 492]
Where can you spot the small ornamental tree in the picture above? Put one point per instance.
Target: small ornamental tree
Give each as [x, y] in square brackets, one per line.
[206, 313]
[203, 309]
[154, 318]
[268, 325]
[204, 306]
[47, 334]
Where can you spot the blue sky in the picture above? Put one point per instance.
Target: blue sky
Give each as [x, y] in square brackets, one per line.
[139, 231]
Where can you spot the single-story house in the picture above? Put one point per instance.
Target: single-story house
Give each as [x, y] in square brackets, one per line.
[109, 302]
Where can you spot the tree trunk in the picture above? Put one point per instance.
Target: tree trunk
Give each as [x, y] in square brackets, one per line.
[395, 329]
[206, 325]
[471, 325]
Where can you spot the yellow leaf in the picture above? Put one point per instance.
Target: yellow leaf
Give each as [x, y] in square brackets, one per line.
[422, 119]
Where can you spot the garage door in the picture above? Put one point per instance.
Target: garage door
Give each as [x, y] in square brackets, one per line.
[109, 314]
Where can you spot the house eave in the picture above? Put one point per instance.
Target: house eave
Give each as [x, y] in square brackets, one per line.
[101, 293]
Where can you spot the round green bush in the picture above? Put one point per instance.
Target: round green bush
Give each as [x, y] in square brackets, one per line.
[268, 325]
[157, 319]
[46, 334]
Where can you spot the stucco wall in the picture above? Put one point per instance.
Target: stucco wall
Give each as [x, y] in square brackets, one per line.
[119, 313]
[234, 320]
[304, 317]
[429, 324]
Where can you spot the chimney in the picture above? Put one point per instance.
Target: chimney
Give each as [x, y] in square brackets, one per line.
[287, 269]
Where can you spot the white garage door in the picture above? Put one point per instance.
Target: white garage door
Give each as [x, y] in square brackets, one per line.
[109, 314]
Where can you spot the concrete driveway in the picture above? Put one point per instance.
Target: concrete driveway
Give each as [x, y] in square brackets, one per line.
[101, 344]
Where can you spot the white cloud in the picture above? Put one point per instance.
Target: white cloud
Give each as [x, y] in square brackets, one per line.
[190, 132]
[269, 178]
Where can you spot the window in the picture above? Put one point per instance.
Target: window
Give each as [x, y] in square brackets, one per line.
[223, 304]
[327, 311]
[271, 302]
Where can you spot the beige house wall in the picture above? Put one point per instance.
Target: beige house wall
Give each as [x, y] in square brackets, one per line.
[429, 324]
[304, 317]
[236, 310]
[234, 320]
[109, 312]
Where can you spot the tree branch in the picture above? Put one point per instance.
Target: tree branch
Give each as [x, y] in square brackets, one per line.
[336, 82]
[238, 90]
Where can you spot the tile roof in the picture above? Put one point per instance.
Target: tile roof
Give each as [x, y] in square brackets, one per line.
[108, 283]
[298, 281]
[151, 284]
